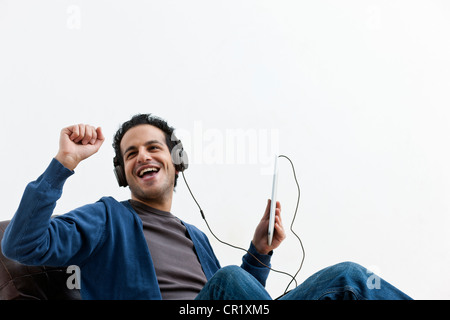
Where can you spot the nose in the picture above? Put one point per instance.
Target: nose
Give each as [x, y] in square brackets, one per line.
[143, 155]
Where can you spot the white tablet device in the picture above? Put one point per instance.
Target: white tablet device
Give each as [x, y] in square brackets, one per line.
[273, 202]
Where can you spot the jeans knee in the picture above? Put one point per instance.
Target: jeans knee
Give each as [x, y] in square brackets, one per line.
[350, 266]
[233, 275]
[233, 283]
[229, 273]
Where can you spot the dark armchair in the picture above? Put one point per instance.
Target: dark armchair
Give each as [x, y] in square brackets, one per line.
[21, 282]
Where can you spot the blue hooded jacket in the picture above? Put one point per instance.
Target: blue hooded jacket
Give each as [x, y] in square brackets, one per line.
[105, 239]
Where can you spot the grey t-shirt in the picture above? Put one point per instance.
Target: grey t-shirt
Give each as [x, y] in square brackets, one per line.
[178, 270]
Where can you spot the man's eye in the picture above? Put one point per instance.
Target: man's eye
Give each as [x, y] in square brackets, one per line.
[131, 155]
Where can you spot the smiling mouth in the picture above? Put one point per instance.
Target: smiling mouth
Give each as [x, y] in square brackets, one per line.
[148, 172]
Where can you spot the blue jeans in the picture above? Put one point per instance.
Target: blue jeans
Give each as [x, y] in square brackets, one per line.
[344, 281]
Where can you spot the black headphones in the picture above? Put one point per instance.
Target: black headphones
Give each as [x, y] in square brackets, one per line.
[179, 159]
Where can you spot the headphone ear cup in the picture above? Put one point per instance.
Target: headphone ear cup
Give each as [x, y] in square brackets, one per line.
[119, 173]
[179, 157]
[184, 160]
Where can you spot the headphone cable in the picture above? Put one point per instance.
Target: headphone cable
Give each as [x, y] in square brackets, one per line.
[293, 278]
[293, 220]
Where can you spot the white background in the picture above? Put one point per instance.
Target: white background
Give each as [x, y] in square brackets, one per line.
[356, 93]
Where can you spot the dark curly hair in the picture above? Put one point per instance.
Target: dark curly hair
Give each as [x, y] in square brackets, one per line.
[152, 120]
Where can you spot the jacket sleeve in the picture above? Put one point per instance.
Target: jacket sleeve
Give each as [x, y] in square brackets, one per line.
[257, 264]
[33, 237]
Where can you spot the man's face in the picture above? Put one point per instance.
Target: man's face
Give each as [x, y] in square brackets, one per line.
[148, 163]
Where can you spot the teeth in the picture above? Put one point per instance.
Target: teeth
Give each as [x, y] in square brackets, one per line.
[147, 170]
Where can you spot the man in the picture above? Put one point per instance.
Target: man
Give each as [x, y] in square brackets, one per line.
[137, 249]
